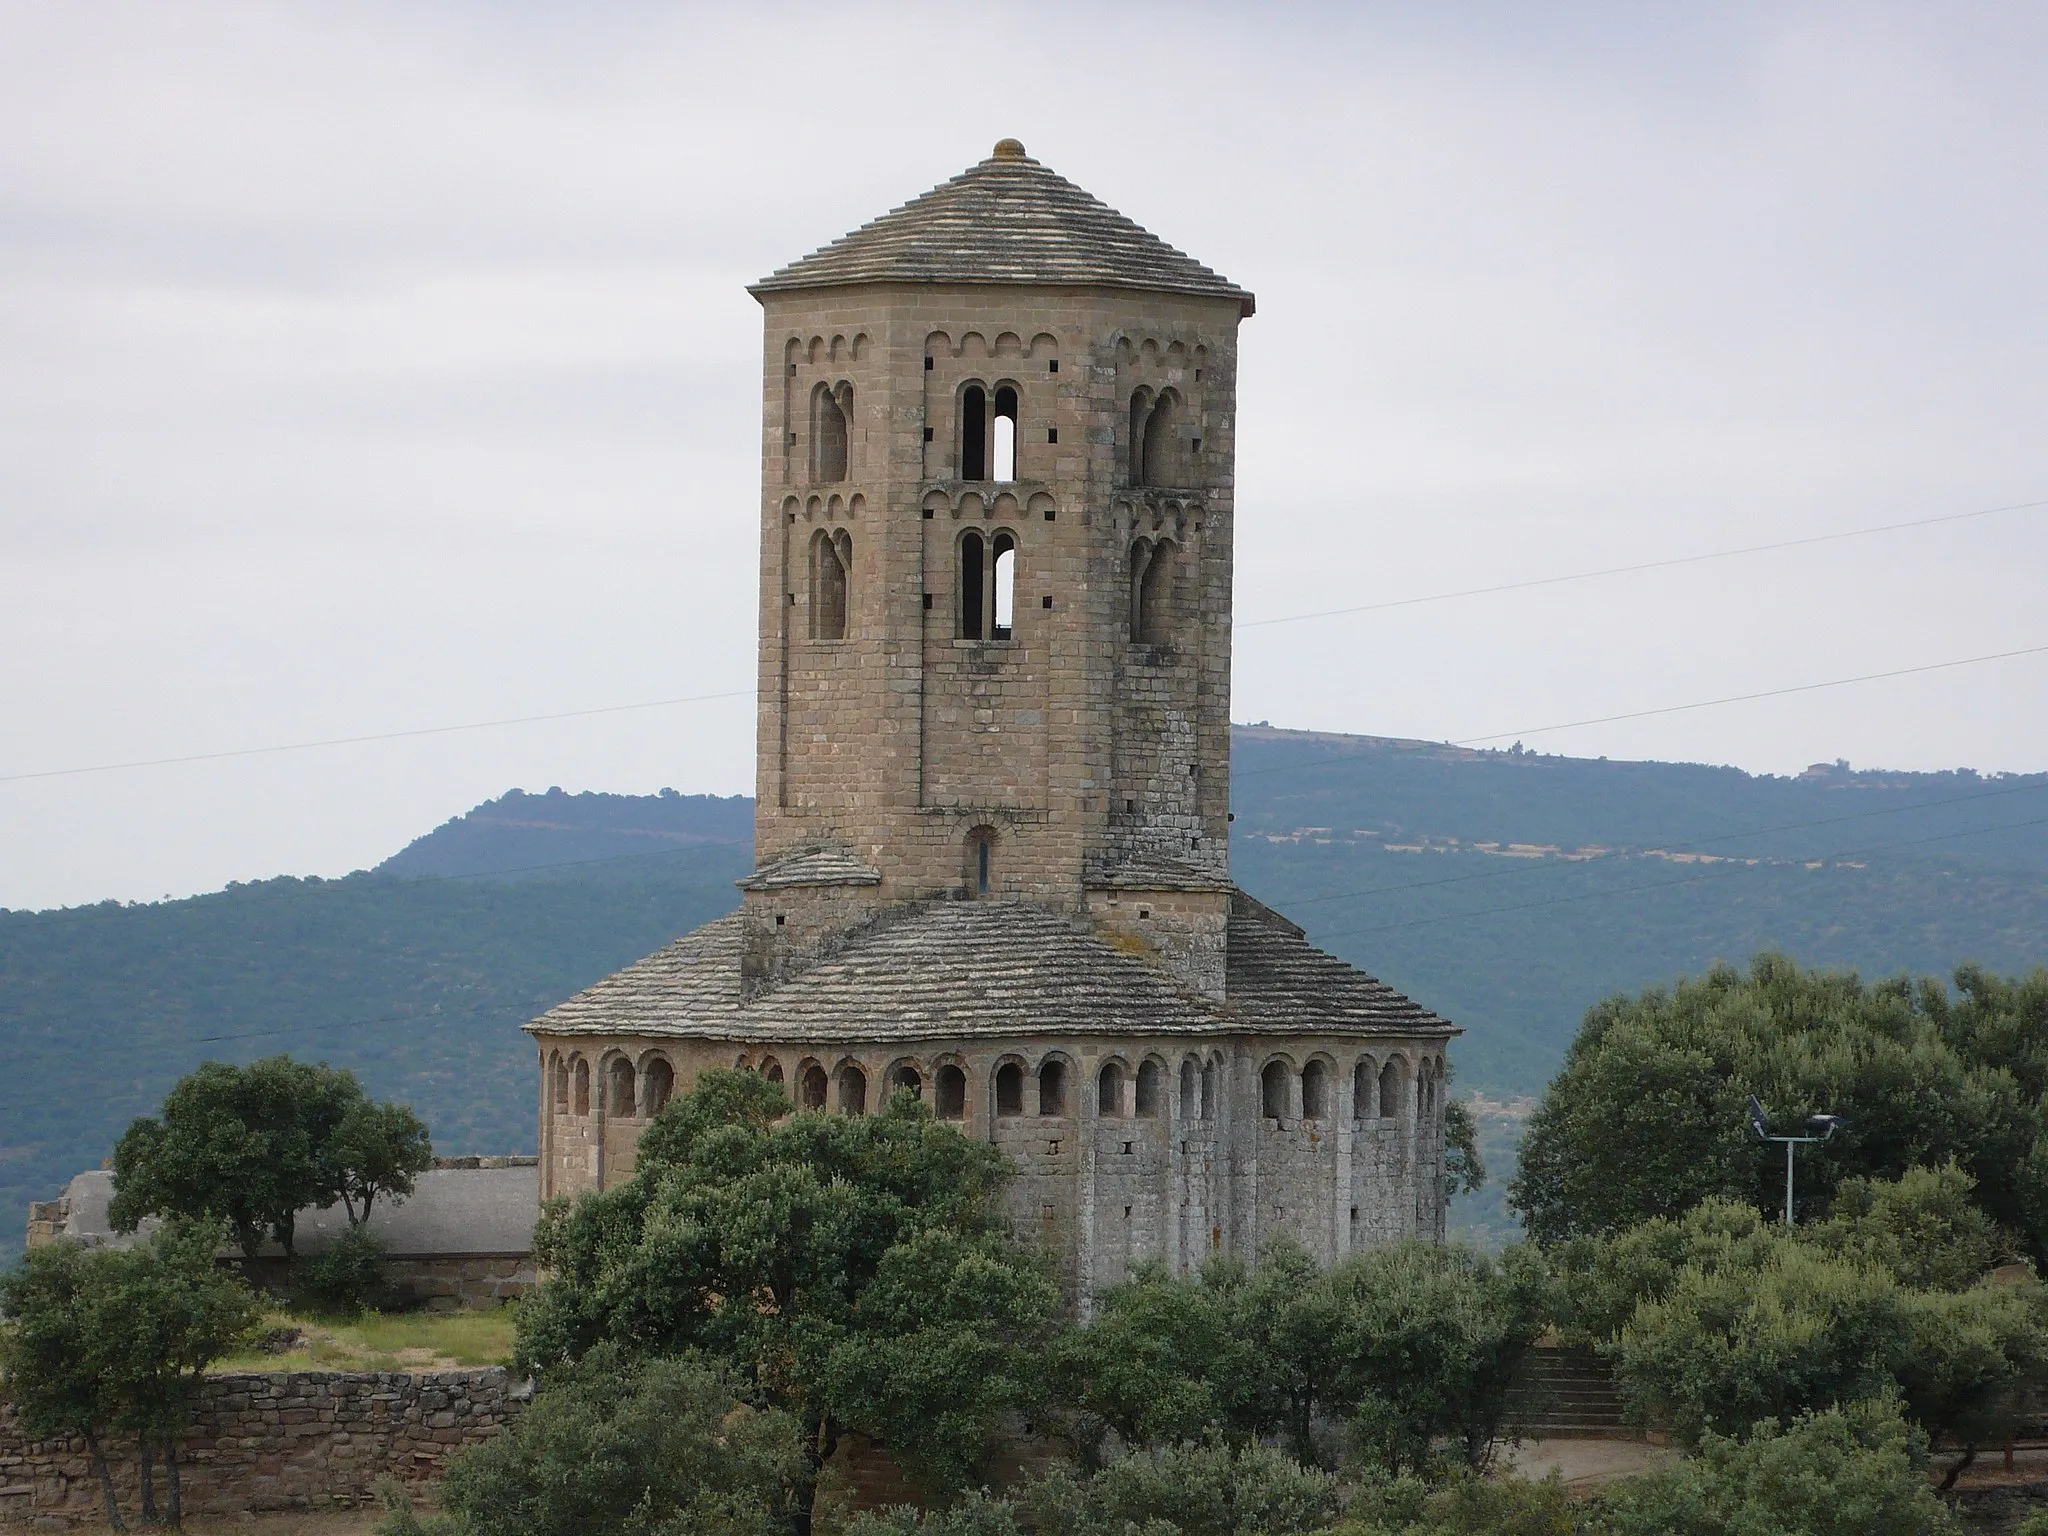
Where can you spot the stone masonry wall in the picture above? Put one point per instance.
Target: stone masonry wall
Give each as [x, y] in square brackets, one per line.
[296, 1440]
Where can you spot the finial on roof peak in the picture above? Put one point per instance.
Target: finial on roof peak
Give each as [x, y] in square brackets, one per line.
[1009, 149]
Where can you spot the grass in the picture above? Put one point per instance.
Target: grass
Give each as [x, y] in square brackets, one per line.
[383, 1341]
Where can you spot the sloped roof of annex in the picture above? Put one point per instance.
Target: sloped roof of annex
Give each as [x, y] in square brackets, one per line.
[989, 970]
[1007, 220]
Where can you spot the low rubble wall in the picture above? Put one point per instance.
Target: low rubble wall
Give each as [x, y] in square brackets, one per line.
[289, 1440]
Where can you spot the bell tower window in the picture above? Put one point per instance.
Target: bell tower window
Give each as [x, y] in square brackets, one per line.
[1005, 435]
[829, 414]
[974, 433]
[1151, 591]
[831, 561]
[988, 585]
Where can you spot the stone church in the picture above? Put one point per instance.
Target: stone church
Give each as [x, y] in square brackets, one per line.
[993, 768]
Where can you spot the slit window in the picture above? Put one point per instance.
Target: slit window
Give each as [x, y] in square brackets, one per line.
[981, 846]
[974, 433]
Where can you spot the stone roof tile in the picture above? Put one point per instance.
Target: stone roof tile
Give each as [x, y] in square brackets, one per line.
[813, 866]
[968, 969]
[1006, 220]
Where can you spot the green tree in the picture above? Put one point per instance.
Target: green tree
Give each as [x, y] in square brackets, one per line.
[105, 1339]
[1464, 1168]
[1923, 1227]
[1646, 1118]
[640, 1447]
[1853, 1471]
[377, 1149]
[244, 1144]
[854, 1271]
[1427, 1338]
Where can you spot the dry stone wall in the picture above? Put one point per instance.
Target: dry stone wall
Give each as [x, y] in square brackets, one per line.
[289, 1440]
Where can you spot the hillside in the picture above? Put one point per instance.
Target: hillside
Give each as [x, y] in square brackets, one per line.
[1508, 890]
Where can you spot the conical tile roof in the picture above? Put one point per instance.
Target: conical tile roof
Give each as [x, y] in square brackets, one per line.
[1006, 220]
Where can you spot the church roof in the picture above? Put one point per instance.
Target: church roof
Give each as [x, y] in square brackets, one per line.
[1006, 220]
[979, 969]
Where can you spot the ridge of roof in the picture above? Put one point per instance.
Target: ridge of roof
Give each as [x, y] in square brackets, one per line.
[1006, 220]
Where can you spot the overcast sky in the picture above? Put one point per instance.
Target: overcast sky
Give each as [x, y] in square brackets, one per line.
[373, 367]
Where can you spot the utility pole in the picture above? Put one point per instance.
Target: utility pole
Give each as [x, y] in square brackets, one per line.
[1827, 1125]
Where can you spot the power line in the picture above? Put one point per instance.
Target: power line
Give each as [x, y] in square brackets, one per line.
[350, 741]
[1645, 565]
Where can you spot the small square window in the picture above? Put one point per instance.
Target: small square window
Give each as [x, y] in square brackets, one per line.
[1053, 366]
[1052, 434]
[927, 514]
[780, 919]
[928, 367]
[1045, 602]
[927, 602]
[1198, 372]
[1144, 911]
[792, 370]
[1049, 514]
[1198, 445]
[792, 439]
[927, 434]
[792, 517]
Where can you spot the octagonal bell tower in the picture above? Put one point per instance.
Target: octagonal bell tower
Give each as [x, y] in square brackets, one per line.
[996, 518]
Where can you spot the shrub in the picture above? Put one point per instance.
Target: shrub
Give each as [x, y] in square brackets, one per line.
[346, 1279]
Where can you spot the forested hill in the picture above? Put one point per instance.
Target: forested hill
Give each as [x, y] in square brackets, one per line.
[1508, 890]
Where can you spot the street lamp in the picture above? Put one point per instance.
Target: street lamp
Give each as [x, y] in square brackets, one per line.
[1827, 1125]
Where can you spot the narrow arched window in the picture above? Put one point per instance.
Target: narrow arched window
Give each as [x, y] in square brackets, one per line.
[1009, 1089]
[660, 1086]
[1273, 1091]
[1052, 1088]
[771, 1069]
[1109, 1091]
[1151, 1088]
[621, 1074]
[973, 433]
[828, 433]
[1190, 1090]
[1161, 453]
[1151, 592]
[581, 1104]
[1005, 434]
[1362, 1086]
[831, 562]
[1315, 1091]
[949, 1093]
[1003, 593]
[1390, 1091]
[811, 1091]
[906, 1078]
[973, 568]
[561, 1077]
[1134, 443]
[981, 861]
[1208, 1090]
[853, 1091]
